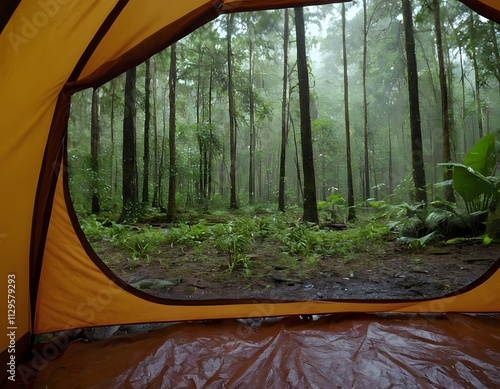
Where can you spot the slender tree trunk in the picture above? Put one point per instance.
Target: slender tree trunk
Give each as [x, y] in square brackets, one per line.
[199, 131]
[350, 185]
[130, 192]
[416, 133]
[365, 103]
[391, 171]
[496, 51]
[445, 115]
[233, 203]
[451, 106]
[284, 116]
[310, 205]
[156, 146]
[464, 111]
[300, 191]
[95, 140]
[172, 180]
[211, 134]
[476, 74]
[114, 163]
[147, 127]
[161, 167]
[251, 71]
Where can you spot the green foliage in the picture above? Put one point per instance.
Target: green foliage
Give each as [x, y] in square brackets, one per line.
[416, 243]
[474, 180]
[334, 209]
[307, 241]
[93, 229]
[187, 235]
[232, 240]
[482, 156]
[141, 242]
[102, 229]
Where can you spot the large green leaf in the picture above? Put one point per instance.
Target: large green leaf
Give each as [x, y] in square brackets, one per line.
[471, 184]
[482, 157]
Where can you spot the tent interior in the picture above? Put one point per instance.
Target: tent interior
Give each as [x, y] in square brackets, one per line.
[56, 284]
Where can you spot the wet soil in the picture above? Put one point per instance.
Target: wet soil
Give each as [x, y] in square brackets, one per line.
[388, 271]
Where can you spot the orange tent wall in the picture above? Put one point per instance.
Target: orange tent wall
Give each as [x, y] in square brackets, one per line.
[38, 51]
[48, 47]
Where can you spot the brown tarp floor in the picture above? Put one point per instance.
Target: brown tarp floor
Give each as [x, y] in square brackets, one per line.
[337, 351]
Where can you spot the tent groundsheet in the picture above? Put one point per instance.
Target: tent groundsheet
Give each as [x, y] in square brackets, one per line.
[334, 351]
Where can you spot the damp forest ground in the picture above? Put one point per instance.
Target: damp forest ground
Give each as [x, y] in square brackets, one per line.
[381, 268]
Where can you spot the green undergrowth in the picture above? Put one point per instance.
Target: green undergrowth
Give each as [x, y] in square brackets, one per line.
[236, 237]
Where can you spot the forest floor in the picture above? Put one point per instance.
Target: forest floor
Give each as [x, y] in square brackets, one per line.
[382, 271]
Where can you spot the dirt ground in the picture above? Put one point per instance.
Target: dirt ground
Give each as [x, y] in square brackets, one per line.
[388, 272]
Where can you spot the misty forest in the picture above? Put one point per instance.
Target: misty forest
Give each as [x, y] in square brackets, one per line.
[338, 151]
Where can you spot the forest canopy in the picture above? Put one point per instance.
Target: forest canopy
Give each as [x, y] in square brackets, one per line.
[380, 143]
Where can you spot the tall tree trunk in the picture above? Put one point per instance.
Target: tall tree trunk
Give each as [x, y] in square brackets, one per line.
[300, 191]
[284, 116]
[416, 133]
[451, 107]
[251, 70]
[114, 163]
[156, 147]
[233, 203]
[172, 178]
[365, 103]
[464, 105]
[496, 51]
[161, 167]
[477, 96]
[310, 205]
[95, 140]
[147, 125]
[130, 191]
[350, 185]
[199, 131]
[391, 171]
[445, 115]
[211, 133]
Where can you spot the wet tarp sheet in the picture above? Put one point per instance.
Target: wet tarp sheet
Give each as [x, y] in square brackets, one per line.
[342, 351]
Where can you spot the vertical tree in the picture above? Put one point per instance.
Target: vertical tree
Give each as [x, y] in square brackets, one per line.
[284, 115]
[365, 103]
[200, 129]
[95, 136]
[350, 185]
[130, 195]
[114, 163]
[233, 203]
[172, 181]
[147, 125]
[390, 169]
[496, 53]
[251, 98]
[156, 146]
[416, 133]
[477, 82]
[445, 115]
[310, 206]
